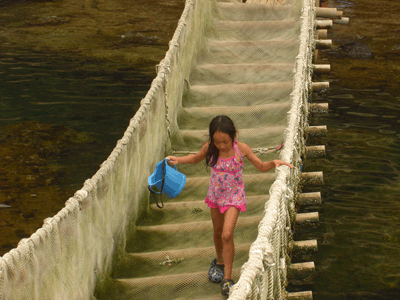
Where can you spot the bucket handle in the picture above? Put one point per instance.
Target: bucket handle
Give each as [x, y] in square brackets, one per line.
[153, 193]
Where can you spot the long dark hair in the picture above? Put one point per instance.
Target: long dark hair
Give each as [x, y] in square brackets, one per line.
[223, 124]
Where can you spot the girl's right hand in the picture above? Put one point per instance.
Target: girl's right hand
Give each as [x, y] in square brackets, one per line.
[173, 160]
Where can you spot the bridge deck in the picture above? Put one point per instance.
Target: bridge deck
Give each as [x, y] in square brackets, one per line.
[258, 102]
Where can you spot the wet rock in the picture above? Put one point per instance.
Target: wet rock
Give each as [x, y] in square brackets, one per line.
[356, 49]
[53, 21]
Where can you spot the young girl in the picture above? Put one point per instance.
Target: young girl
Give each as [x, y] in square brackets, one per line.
[226, 194]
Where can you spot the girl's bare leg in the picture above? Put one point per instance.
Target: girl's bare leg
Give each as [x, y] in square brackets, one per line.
[230, 219]
[218, 224]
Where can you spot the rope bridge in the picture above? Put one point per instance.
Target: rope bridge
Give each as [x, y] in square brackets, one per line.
[251, 61]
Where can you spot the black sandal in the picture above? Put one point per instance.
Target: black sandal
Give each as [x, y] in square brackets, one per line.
[216, 272]
[226, 285]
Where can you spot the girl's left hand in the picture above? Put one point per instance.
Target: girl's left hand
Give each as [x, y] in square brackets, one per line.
[278, 163]
[172, 160]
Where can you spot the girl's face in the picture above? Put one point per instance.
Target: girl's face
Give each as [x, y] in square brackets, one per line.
[222, 141]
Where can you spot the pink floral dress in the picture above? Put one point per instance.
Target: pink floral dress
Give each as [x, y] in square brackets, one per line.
[226, 184]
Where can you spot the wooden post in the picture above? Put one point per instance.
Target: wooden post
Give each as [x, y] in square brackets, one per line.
[305, 247]
[323, 44]
[317, 130]
[315, 56]
[318, 86]
[312, 178]
[321, 34]
[343, 20]
[300, 296]
[315, 151]
[319, 108]
[306, 199]
[321, 69]
[328, 12]
[307, 219]
[324, 24]
[301, 270]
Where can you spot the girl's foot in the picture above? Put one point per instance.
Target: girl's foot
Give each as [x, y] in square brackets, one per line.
[216, 272]
[226, 285]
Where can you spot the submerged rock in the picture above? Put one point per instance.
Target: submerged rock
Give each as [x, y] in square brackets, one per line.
[30, 151]
[356, 49]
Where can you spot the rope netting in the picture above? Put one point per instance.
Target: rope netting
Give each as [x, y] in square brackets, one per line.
[263, 276]
[251, 61]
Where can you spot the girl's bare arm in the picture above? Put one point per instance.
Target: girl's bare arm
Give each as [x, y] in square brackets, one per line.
[191, 158]
[258, 163]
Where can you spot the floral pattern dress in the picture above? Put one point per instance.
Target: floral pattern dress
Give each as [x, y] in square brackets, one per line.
[226, 184]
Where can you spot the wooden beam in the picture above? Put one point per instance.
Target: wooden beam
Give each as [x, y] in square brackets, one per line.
[342, 20]
[315, 151]
[313, 198]
[300, 296]
[315, 56]
[319, 108]
[318, 130]
[321, 34]
[328, 12]
[324, 24]
[319, 86]
[321, 69]
[307, 219]
[305, 246]
[323, 44]
[312, 178]
[301, 270]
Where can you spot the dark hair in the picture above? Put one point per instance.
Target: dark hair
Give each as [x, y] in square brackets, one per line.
[223, 124]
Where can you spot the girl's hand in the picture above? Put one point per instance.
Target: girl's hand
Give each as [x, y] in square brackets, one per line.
[173, 160]
[278, 163]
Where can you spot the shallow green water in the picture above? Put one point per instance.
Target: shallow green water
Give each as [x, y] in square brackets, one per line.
[359, 232]
[72, 75]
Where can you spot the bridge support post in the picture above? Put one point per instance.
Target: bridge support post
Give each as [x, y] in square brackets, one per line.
[304, 247]
[307, 199]
[300, 296]
[301, 270]
[316, 131]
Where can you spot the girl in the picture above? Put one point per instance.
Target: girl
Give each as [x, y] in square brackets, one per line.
[226, 194]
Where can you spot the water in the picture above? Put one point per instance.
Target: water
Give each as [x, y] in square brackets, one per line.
[69, 84]
[359, 232]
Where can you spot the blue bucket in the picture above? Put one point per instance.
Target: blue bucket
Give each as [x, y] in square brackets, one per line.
[173, 180]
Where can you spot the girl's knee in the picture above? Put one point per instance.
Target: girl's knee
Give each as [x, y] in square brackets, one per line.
[218, 235]
[227, 237]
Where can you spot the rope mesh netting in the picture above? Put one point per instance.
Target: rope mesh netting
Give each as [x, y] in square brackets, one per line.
[251, 61]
